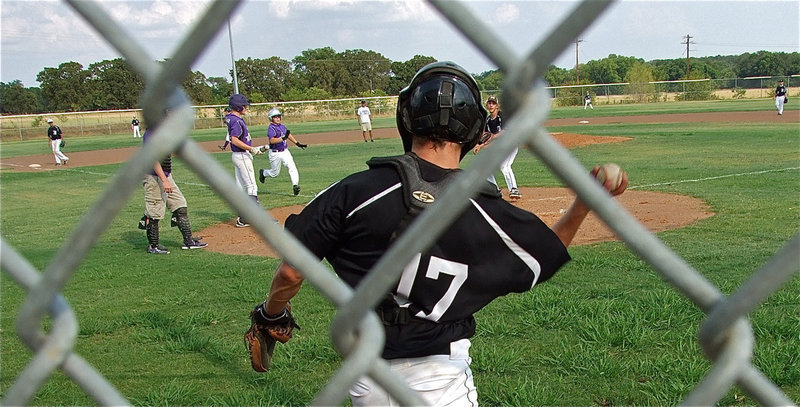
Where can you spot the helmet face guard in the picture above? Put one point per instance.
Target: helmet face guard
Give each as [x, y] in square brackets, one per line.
[442, 103]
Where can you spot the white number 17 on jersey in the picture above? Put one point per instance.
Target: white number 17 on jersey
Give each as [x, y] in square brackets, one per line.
[436, 267]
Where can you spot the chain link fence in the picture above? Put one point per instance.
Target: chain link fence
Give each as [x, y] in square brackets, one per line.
[725, 335]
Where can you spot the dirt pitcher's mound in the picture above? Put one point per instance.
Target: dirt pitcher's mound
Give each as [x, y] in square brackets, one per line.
[656, 211]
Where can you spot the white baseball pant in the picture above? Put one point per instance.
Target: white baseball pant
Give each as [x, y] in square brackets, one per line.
[244, 173]
[779, 103]
[508, 173]
[56, 146]
[278, 158]
[441, 380]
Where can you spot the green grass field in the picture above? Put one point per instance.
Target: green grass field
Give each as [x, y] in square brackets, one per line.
[606, 330]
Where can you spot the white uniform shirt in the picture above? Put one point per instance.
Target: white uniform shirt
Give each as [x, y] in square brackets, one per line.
[363, 113]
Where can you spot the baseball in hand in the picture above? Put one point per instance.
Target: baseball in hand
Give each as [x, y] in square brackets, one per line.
[610, 171]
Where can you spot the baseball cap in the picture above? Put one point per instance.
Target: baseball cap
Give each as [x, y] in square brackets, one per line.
[491, 99]
[363, 101]
[237, 101]
[49, 120]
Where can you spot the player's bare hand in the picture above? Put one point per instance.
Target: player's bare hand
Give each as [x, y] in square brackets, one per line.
[167, 186]
[608, 184]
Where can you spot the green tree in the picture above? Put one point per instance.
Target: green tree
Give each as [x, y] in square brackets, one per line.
[265, 78]
[608, 70]
[113, 84]
[221, 89]
[366, 73]
[639, 77]
[65, 88]
[16, 99]
[490, 80]
[317, 68]
[197, 88]
[403, 72]
[556, 76]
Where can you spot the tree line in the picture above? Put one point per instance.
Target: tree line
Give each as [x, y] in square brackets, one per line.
[324, 73]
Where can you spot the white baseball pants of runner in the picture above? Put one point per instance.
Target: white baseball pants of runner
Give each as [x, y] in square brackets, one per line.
[56, 146]
[441, 380]
[508, 173]
[779, 103]
[244, 173]
[278, 158]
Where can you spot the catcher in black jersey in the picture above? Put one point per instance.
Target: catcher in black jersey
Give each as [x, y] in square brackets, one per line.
[494, 249]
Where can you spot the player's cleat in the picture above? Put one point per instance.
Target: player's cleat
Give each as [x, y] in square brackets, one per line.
[514, 194]
[240, 224]
[261, 176]
[372, 140]
[194, 244]
[296, 189]
[66, 160]
[157, 250]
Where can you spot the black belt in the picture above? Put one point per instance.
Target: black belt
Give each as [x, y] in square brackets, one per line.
[393, 315]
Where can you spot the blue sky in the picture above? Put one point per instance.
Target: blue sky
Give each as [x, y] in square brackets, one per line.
[38, 34]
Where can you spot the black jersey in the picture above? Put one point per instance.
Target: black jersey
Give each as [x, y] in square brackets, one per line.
[54, 132]
[494, 125]
[493, 249]
[780, 90]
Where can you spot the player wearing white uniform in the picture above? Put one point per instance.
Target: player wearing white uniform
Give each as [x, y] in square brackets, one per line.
[135, 127]
[242, 150]
[364, 121]
[587, 101]
[54, 135]
[780, 97]
[279, 153]
[494, 128]
[494, 248]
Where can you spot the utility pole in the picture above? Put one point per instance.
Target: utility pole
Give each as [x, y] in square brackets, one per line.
[577, 66]
[688, 38]
[233, 61]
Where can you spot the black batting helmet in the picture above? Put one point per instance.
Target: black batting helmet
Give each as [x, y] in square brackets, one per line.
[443, 103]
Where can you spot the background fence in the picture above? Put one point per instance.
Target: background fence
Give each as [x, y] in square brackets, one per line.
[28, 127]
[725, 335]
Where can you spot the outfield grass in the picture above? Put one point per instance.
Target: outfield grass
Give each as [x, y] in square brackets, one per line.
[606, 330]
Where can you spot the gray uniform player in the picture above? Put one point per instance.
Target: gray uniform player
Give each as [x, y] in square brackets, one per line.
[493, 249]
[242, 150]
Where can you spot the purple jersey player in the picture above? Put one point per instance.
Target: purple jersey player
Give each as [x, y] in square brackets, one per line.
[242, 150]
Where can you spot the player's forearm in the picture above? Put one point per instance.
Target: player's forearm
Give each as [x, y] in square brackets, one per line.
[568, 225]
[285, 285]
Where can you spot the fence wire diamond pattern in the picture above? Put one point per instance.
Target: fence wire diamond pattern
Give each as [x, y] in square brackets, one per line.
[725, 335]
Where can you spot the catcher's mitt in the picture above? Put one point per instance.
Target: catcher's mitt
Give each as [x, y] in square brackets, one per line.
[265, 330]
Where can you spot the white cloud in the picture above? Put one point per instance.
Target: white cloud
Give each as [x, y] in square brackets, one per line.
[411, 10]
[507, 13]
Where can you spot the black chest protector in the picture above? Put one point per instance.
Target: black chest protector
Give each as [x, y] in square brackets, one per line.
[419, 193]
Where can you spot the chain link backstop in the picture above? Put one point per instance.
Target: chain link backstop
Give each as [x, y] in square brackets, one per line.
[725, 335]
